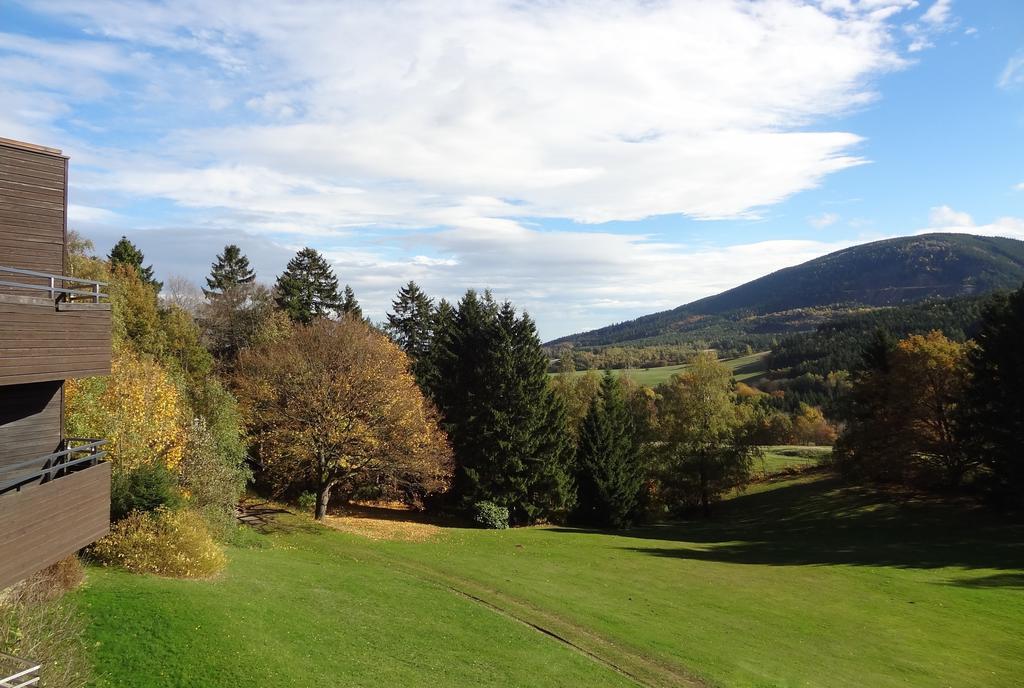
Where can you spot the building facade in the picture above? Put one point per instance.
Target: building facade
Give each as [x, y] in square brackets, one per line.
[54, 490]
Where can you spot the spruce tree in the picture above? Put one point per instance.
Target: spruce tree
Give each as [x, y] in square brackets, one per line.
[125, 252]
[411, 327]
[609, 475]
[308, 288]
[428, 367]
[349, 304]
[506, 426]
[231, 269]
[992, 415]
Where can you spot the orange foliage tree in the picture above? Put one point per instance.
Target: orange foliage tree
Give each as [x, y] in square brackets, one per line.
[334, 406]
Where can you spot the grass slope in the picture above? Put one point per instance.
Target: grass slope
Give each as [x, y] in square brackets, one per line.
[803, 582]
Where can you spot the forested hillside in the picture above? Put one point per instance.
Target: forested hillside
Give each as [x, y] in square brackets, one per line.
[882, 273]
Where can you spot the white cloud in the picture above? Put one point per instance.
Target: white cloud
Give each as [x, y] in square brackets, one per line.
[592, 111]
[946, 219]
[824, 220]
[1013, 73]
[424, 140]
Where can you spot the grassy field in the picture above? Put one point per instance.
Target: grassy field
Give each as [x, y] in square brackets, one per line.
[798, 582]
[790, 458]
[744, 368]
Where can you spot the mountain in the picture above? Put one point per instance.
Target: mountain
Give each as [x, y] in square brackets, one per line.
[882, 273]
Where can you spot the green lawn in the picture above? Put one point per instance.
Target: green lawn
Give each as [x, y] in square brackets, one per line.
[799, 582]
[790, 458]
[744, 368]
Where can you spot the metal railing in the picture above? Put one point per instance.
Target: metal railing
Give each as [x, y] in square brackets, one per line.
[25, 674]
[93, 293]
[77, 453]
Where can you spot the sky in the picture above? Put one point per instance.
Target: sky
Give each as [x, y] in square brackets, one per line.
[590, 161]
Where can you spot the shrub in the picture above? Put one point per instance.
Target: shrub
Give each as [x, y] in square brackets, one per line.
[307, 502]
[490, 515]
[36, 622]
[211, 481]
[145, 487]
[165, 542]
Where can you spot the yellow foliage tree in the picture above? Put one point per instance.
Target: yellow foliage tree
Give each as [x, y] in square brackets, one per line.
[138, 409]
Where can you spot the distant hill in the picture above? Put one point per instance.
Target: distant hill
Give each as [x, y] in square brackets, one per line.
[882, 273]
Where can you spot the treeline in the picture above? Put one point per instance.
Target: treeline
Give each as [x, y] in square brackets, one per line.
[934, 413]
[837, 344]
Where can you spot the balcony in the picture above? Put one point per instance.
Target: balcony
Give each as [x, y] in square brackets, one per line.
[52, 327]
[18, 673]
[52, 506]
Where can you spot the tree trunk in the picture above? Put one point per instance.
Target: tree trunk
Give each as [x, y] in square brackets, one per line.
[705, 498]
[322, 498]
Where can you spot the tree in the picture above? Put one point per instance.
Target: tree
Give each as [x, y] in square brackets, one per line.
[609, 474]
[236, 318]
[230, 270]
[333, 406]
[411, 326]
[427, 367]
[992, 427]
[704, 448]
[349, 304]
[904, 410]
[137, 408]
[507, 428]
[125, 252]
[308, 288]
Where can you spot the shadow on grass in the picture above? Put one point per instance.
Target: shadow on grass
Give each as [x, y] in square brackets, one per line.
[1014, 581]
[824, 521]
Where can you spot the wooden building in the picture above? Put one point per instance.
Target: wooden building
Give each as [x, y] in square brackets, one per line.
[54, 490]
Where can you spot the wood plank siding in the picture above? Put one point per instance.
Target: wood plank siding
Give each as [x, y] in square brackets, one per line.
[40, 342]
[33, 208]
[30, 426]
[44, 340]
[44, 523]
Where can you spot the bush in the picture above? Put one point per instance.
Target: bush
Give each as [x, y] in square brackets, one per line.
[211, 481]
[35, 622]
[143, 488]
[490, 515]
[168, 543]
[307, 502]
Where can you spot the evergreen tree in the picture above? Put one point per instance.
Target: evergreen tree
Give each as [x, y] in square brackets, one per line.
[308, 288]
[230, 270]
[609, 475]
[506, 426]
[349, 304]
[992, 424]
[125, 252]
[426, 369]
[411, 327]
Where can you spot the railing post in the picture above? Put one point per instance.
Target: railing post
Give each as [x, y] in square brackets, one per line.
[53, 284]
[96, 293]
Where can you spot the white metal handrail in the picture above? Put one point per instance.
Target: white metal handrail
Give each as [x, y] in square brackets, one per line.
[95, 291]
[27, 676]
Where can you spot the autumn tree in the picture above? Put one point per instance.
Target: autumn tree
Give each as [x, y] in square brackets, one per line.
[906, 404]
[704, 449]
[236, 318]
[609, 473]
[333, 406]
[125, 252]
[308, 288]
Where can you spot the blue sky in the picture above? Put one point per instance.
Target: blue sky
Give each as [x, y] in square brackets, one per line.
[591, 161]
